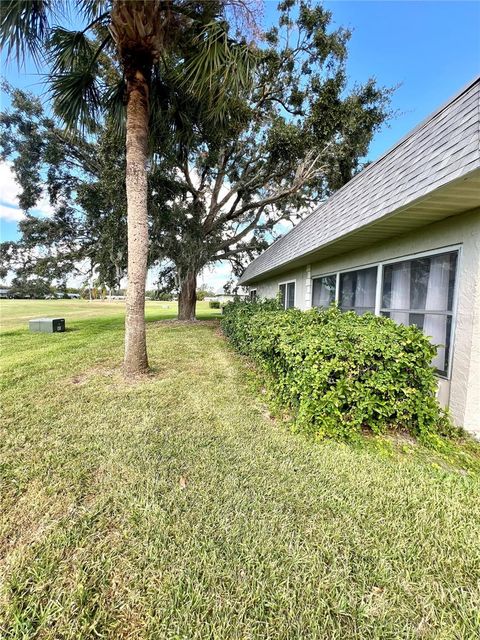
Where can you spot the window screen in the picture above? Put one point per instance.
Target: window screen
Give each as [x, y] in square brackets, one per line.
[323, 293]
[421, 292]
[357, 290]
[287, 295]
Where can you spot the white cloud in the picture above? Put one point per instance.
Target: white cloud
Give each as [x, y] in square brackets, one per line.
[10, 214]
[44, 208]
[9, 190]
[216, 275]
[9, 187]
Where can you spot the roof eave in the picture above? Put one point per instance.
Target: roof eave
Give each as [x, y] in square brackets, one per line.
[456, 197]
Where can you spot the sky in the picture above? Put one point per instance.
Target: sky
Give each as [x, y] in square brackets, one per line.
[427, 49]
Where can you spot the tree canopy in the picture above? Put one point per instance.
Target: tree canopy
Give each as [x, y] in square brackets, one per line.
[217, 190]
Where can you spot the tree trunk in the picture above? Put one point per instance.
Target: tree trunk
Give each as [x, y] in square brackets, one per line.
[135, 360]
[187, 300]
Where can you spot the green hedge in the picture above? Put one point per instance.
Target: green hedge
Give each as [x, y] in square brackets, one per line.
[339, 373]
[214, 304]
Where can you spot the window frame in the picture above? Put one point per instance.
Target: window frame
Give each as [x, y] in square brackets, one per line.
[286, 283]
[326, 275]
[376, 266]
[252, 295]
[380, 264]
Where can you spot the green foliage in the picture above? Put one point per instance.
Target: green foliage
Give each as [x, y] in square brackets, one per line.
[281, 148]
[203, 293]
[84, 182]
[214, 63]
[339, 373]
[162, 296]
[30, 288]
[214, 304]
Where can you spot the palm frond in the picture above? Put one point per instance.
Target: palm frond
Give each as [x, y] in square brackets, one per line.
[170, 111]
[218, 67]
[68, 49]
[75, 79]
[114, 102]
[24, 26]
[94, 9]
[77, 98]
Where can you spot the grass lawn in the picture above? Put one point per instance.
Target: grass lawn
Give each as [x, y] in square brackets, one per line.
[176, 508]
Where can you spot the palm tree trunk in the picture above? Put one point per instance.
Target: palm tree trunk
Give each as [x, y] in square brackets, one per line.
[187, 300]
[135, 360]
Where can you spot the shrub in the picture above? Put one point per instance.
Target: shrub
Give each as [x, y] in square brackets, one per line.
[214, 304]
[338, 372]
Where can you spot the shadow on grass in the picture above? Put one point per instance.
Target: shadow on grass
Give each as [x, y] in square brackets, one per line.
[97, 326]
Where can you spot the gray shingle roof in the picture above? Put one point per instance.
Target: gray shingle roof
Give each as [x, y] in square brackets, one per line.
[442, 148]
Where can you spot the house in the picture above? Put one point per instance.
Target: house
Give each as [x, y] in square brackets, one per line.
[401, 239]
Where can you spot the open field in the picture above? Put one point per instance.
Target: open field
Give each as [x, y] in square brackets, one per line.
[176, 508]
[17, 313]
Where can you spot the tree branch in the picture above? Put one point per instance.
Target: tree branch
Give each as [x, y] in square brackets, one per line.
[186, 172]
[245, 231]
[306, 170]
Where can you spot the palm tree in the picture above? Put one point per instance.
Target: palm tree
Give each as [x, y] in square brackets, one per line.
[140, 35]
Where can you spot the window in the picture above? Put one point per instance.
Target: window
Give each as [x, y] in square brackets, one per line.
[415, 290]
[357, 290]
[287, 294]
[323, 293]
[253, 295]
[420, 291]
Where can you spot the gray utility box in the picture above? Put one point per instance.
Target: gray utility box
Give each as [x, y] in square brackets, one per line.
[47, 325]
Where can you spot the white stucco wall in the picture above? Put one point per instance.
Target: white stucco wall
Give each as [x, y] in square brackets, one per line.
[462, 391]
[269, 288]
